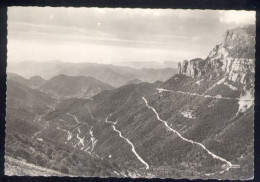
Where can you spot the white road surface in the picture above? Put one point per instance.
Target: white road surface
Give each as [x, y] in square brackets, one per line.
[229, 164]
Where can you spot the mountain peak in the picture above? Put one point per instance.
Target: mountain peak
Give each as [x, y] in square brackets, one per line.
[240, 42]
[233, 58]
[74, 86]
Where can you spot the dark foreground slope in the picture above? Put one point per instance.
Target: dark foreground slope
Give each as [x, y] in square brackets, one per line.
[24, 105]
[27, 153]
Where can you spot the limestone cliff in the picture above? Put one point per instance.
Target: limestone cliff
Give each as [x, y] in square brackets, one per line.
[234, 58]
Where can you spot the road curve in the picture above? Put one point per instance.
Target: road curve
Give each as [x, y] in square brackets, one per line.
[229, 164]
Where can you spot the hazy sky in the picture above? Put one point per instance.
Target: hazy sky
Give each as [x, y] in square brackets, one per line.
[107, 35]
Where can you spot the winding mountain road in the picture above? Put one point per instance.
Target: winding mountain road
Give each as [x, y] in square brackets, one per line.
[93, 139]
[133, 147]
[229, 164]
[92, 117]
[73, 117]
[129, 142]
[110, 121]
[203, 95]
[81, 142]
[69, 133]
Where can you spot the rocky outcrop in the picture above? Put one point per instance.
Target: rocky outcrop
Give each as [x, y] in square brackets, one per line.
[193, 68]
[233, 58]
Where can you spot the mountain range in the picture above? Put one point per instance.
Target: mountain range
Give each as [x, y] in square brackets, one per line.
[199, 123]
[33, 82]
[150, 64]
[111, 74]
[74, 86]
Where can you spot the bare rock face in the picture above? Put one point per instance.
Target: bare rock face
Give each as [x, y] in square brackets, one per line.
[193, 68]
[234, 58]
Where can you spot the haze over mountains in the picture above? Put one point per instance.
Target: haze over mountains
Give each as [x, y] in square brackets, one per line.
[147, 64]
[124, 122]
[111, 74]
[75, 86]
[34, 81]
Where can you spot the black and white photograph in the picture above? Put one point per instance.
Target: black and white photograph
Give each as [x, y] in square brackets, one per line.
[130, 93]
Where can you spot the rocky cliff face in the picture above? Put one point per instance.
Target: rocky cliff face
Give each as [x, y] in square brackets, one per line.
[193, 68]
[234, 58]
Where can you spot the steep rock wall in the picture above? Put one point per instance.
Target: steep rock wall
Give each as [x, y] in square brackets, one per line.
[234, 58]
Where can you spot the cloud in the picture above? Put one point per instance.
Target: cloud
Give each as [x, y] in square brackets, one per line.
[176, 30]
[51, 17]
[237, 17]
[195, 38]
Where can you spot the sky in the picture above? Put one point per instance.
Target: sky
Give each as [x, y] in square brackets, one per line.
[113, 35]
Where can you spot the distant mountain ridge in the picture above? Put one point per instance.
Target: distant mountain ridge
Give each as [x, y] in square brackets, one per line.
[134, 81]
[34, 81]
[74, 86]
[111, 74]
[149, 65]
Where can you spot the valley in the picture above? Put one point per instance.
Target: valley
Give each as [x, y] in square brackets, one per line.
[197, 123]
